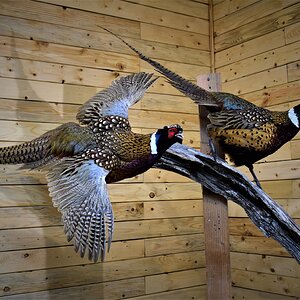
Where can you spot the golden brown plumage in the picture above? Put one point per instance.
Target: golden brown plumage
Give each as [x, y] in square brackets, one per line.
[80, 159]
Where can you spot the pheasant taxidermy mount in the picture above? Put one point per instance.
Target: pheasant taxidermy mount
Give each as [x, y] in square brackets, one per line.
[81, 159]
[246, 132]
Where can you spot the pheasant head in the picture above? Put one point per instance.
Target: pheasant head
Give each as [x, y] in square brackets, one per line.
[164, 138]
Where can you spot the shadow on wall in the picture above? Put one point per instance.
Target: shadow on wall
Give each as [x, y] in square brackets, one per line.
[48, 261]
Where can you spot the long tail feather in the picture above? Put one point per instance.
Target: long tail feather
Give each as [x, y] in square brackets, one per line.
[28, 152]
[191, 90]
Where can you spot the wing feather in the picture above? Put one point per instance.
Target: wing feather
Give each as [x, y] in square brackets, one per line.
[240, 119]
[116, 99]
[79, 191]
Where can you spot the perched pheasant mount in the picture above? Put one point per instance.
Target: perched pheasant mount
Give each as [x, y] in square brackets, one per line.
[231, 118]
[246, 132]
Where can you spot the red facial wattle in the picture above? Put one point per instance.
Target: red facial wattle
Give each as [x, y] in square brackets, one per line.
[172, 132]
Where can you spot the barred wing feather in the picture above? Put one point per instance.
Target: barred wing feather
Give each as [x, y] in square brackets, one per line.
[116, 99]
[78, 189]
[240, 119]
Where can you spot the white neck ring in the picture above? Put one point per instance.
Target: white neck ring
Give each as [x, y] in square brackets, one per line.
[153, 145]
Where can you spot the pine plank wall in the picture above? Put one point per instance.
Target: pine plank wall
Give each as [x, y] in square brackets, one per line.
[257, 46]
[53, 58]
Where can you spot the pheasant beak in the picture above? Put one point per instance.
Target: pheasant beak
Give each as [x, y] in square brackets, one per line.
[179, 135]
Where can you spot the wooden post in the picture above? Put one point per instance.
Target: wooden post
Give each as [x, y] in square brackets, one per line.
[216, 234]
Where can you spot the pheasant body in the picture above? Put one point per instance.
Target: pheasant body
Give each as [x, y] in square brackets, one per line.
[245, 131]
[246, 144]
[80, 159]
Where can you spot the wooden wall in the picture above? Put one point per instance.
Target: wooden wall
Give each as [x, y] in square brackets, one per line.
[53, 57]
[257, 46]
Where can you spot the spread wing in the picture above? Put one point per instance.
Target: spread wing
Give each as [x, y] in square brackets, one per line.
[240, 119]
[116, 99]
[79, 190]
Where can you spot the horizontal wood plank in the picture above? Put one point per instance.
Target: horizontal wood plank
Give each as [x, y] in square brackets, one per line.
[42, 237]
[293, 70]
[191, 8]
[186, 70]
[165, 47]
[166, 35]
[30, 195]
[25, 260]
[160, 50]
[154, 191]
[199, 292]
[18, 68]
[37, 216]
[62, 73]
[292, 33]
[249, 294]
[77, 56]
[225, 8]
[138, 12]
[250, 48]
[165, 245]
[256, 245]
[282, 189]
[111, 290]
[267, 264]
[250, 13]
[257, 81]
[295, 149]
[65, 35]
[258, 27]
[37, 280]
[174, 280]
[242, 226]
[286, 286]
[39, 111]
[283, 93]
[275, 170]
[291, 206]
[45, 91]
[38, 11]
[67, 93]
[260, 62]
[157, 175]
[173, 209]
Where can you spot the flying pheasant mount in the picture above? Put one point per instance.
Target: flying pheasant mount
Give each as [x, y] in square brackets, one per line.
[81, 159]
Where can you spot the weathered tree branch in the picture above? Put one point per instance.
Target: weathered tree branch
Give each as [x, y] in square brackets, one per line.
[225, 180]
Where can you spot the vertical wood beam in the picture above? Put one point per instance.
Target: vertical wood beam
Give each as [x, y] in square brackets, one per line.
[216, 233]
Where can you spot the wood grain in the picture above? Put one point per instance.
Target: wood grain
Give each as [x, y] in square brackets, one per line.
[137, 12]
[170, 281]
[258, 27]
[191, 8]
[215, 213]
[38, 280]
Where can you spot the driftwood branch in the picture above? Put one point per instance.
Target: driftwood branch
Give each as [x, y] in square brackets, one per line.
[227, 181]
